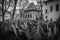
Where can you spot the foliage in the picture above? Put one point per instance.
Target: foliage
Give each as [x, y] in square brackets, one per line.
[31, 29]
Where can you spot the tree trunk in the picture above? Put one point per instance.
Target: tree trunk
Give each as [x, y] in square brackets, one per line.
[3, 9]
[14, 9]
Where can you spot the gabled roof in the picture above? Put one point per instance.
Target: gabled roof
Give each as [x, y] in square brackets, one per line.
[31, 6]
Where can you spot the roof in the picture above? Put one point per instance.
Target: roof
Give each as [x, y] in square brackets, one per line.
[31, 7]
[32, 10]
[49, 1]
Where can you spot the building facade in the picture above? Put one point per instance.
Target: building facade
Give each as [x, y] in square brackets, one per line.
[31, 12]
[51, 10]
[7, 16]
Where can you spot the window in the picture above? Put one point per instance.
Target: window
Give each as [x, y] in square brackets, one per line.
[57, 7]
[28, 16]
[46, 3]
[46, 10]
[51, 9]
[51, 19]
[46, 17]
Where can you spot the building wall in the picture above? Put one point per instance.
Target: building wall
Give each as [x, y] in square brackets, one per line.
[7, 16]
[17, 14]
[0, 11]
[1, 18]
[33, 15]
[54, 14]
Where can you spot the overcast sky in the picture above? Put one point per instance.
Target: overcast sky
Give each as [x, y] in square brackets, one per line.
[34, 1]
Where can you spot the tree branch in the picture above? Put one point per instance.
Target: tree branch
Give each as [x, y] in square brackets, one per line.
[14, 9]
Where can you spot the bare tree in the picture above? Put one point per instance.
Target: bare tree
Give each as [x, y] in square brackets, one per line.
[14, 9]
[4, 7]
[6, 3]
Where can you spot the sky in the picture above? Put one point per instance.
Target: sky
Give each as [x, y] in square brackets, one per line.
[34, 1]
